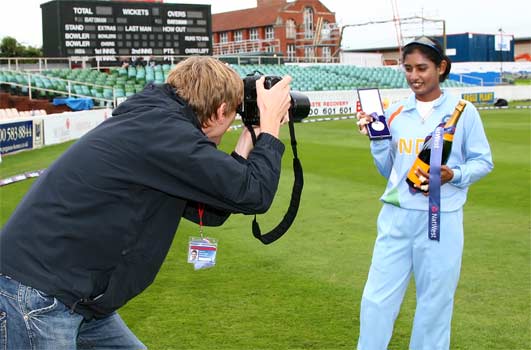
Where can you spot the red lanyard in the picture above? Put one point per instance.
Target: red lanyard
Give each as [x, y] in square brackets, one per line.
[200, 212]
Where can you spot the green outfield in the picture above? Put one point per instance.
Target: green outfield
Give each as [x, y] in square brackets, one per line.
[303, 292]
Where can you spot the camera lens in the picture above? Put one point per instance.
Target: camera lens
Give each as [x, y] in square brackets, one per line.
[300, 103]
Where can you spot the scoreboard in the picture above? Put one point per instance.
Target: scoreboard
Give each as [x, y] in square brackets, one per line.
[109, 30]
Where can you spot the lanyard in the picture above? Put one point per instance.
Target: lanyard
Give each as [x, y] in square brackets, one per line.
[434, 220]
[200, 212]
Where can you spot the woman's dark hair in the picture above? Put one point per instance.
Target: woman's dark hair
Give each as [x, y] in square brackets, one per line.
[432, 50]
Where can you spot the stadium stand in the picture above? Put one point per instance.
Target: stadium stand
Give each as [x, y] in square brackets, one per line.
[118, 82]
[24, 104]
[336, 77]
[13, 113]
[126, 81]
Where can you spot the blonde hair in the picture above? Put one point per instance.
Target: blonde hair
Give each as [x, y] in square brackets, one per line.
[205, 83]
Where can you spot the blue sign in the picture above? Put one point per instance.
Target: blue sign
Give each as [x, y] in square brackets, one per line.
[16, 136]
[479, 97]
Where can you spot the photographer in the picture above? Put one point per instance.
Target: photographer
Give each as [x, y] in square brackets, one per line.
[94, 229]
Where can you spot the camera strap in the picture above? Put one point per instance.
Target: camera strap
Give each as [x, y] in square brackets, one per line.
[296, 192]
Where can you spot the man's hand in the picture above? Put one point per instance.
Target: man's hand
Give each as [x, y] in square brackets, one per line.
[273, 104]
[245, 142]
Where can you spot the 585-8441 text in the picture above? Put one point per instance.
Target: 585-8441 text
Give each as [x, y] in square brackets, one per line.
[15, 133]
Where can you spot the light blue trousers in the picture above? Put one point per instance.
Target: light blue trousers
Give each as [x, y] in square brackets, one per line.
[402, 247]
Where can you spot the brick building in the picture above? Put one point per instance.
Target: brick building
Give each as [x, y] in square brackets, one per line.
[301, 30]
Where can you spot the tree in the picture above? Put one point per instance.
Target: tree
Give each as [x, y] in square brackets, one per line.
[30, 51]
[9, 47]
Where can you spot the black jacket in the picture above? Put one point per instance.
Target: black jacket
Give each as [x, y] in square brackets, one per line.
[94, 229]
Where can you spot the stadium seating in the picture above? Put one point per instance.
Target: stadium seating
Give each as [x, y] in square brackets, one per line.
[126, 81]
[12, 113]
[336, 77]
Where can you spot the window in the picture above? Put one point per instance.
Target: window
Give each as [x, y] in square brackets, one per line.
[253, 33]
[270, 33]
[238, 35]
[309, 53]
[325, 32]
[223, 37]
[290, 29]
[326, 54]
[308, 23]
[291, 52]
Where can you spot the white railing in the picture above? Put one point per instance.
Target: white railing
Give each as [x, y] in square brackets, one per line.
[461, 76]
[30, 78]
[40, 64]
[34, 63]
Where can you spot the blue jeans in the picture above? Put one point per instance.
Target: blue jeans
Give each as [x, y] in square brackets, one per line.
[31, 320]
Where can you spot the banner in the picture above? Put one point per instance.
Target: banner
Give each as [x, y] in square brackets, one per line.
[16, 136]
[64, 127]
[502, 42]
[326, 103]
[479, 97]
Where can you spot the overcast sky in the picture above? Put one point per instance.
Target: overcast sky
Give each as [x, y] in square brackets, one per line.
[22, 19]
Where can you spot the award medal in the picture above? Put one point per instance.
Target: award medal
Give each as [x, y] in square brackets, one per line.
[378, 125]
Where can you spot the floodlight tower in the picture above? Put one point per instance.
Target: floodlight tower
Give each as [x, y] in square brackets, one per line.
[398, 29]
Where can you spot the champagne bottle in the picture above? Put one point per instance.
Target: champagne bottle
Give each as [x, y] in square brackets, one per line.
[423, 158]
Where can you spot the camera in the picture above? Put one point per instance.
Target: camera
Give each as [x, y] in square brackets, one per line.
[300, 103]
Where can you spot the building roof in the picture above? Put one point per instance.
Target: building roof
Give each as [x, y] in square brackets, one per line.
[247, 18]
[260, 16]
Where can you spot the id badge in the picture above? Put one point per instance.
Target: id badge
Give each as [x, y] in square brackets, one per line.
[202, 252]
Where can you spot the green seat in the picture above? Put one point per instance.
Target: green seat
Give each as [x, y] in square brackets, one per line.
[108, 93]
[119, 92]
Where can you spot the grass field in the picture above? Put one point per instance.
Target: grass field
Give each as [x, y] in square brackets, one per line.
[303, 292]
